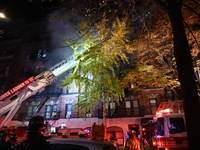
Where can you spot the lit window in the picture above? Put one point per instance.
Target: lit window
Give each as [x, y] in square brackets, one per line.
[51, 112]
[128, 104]
[42, 53]
[132, 107]
[68, 110]
[136, 110]
[153, 105]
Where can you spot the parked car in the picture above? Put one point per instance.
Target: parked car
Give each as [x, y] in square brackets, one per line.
[79, 144]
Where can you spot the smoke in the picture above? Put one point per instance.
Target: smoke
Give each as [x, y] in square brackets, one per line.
[62, 25]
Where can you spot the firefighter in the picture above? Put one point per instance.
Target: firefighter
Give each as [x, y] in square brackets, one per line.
[143, 142]
[114, 141]
[132, 143]
[35, 139]
[12, 141]
[3, 141]
[47, 135]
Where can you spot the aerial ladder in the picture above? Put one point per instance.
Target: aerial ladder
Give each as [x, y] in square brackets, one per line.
[11, 100]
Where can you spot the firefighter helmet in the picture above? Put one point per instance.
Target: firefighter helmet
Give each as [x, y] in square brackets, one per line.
[131, 132]
[47, 134]
[81, 134]
[65, 134]
[36, 122]
[13, 137]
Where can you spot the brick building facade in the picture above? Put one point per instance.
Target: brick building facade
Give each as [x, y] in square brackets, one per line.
[29, 56]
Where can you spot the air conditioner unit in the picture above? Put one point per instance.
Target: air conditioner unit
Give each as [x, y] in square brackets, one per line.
[88, 115]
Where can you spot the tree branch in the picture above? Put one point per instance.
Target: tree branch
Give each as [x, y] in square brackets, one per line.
[162, 5]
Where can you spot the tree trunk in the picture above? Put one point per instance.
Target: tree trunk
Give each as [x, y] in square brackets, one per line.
[185, 74]
[104, 117]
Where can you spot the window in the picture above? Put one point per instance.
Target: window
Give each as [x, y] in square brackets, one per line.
[169, 95]
[176, 125]
[42, 53]
[29, 111]
[160, 126]
[132, 107]
[2, 88]
[7, 71]
[153, 105]
[68, 110]
[51, 112]
[25, 72]
[136, 110]
[111, 107]
[27, 57]
[39, 69]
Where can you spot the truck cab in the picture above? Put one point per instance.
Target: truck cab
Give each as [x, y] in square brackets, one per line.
[170, 127]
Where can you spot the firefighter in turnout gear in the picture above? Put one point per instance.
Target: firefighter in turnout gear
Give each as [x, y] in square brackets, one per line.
[35, 139]
[132, 143]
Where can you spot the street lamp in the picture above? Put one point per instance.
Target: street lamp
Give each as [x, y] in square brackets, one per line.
[2, 15]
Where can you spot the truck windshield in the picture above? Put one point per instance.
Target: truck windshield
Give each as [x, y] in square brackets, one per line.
[176, 125]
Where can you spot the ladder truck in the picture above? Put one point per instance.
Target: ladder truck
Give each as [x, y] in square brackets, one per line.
[170, 129]
[11, 100]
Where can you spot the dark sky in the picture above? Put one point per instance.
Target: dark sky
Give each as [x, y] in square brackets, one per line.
[22, 9]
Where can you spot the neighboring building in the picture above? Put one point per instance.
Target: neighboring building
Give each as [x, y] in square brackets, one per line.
[25, 52]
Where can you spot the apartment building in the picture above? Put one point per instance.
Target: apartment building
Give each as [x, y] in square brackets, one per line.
[26, 50]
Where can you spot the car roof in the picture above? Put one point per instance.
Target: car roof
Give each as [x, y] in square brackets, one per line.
[92, 144]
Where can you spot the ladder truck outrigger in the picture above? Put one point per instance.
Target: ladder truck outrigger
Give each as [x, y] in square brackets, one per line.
[169, 126]
[11, 100]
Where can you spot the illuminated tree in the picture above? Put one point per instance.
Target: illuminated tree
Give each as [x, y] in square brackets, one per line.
[179, 45]
[96, 71]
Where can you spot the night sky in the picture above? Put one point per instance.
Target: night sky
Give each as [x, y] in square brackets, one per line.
[22, 9]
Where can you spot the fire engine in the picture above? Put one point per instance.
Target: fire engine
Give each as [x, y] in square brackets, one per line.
[11, 100]
[170, 126]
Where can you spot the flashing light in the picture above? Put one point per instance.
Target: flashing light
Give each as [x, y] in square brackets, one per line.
[164, 111]
[154, 143]
[159, 143]
[167, 111]
[87, 131]
[143, 129]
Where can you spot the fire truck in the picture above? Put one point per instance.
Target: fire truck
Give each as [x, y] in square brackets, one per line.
[11, 100]
[170, 126]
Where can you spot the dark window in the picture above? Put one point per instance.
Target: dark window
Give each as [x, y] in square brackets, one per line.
[2, 88]
[27, 57]
[25, 72]
[160, 126]
[29, 111]
[111, 108]
[169, 95]
[176, 125]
